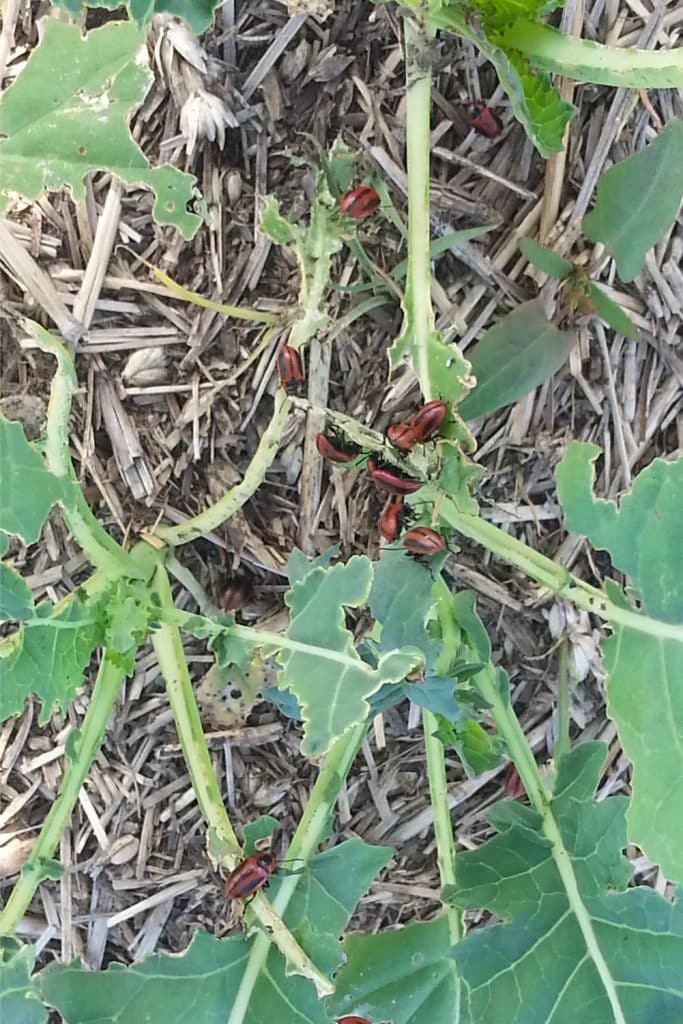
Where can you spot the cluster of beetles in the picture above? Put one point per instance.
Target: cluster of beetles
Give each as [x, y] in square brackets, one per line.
[423, 426]
[420, 541]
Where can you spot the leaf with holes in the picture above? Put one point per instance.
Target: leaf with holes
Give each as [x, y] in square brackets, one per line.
[66, 115]
[573, 943]
[644, 655]
[28, 489]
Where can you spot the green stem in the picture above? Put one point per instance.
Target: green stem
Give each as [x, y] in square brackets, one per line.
[563, 744]
[254, 637]
[546, 572]
[511, 732]
[586, 61]
[311, 830]
[81, 755]
[443, 832]
[418, 302]
[171, 657]
[231, 502]
[311, 321]
[222, 841]
[101, 549]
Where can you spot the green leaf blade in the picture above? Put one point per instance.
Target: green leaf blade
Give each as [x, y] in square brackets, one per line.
[549, 262]
[644, 663]
[20, 1002]
[28, 489]
[638, 200]
[643, 533]
[66, 114]
[320, 664]
[517, 354]
[515, 875]
[16, 600]
[48, 659]
[611, 313]
[412, 978]
[537, 106]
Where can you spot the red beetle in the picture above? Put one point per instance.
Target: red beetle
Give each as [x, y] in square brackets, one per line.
[289, 369]
[234, 595]
[390, 520]
[422, 542]
[484, 121]
[334, 452]
[402, 436]
[428, 419]
[353, 1019]
[360, 202]
[250, 876]
[389, 480]
[512, 784]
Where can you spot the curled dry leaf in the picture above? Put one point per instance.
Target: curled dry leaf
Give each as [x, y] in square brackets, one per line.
[175, 40]
[205, 116]
[146, 366]
[584, 652]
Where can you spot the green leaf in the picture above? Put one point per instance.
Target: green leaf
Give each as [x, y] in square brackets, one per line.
[327, 895]
[477, 749]
[443, 244]
[277, 227]
[642, 534]
[66, 114]
[197, 13]
[130, 609]
[637, 934]
[551, 263]
[517, 354]
[535, 103]
[16, 600]
[499, 13]
[645, 700]
[48, 659]
[644, 661]
[19, 999]
[322, 667]
[638, 200]
[405, 976]
[611, 313]
[401, 601]
[28, 489]
[201, 984]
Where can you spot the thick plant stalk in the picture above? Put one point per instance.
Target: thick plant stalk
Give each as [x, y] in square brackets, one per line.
[222, 840]
[310, 832]
[418, 303]
[420, 322]
[443, 832]
[83, 752]
[546, 572]
[511, 732]
[231, 502]
[101, 549]
[586, 61]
